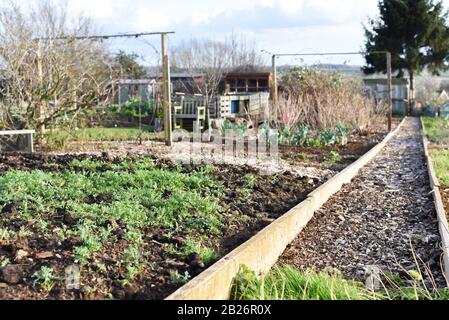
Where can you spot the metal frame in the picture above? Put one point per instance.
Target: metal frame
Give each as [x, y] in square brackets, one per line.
[275, 93]
[29, 135]
[165, 65]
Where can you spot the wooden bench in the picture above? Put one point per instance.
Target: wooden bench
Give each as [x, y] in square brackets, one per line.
[189, 110]
[29, 135]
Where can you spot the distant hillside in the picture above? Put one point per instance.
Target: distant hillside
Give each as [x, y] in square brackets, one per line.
[356, 71]
[350, 70]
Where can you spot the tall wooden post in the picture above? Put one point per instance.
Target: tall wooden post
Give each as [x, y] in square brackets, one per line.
[274, 89]
[166, 92]
[389, 89]
[40, 74]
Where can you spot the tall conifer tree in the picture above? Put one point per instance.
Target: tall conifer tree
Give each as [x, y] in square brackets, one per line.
[416, 34]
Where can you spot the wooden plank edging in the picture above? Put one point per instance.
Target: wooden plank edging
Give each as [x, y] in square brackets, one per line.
[29, 137]
[443, 225]
[16, 132]
[263, 250]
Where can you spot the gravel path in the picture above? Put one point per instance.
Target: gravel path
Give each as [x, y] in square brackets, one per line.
[375, 221]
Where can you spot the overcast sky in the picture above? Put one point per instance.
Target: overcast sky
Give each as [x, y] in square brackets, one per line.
[275, 25]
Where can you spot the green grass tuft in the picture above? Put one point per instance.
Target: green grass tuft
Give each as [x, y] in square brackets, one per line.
[288, 283]
[440, 159]
[136, 195]
[436, 130]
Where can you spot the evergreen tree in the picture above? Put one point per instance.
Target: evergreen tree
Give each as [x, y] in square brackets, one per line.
[127, 66]
[416, 34]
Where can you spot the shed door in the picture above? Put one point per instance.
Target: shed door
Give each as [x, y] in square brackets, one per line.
[235, 106]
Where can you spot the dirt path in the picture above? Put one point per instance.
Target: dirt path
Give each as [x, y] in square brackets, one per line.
[377, 219]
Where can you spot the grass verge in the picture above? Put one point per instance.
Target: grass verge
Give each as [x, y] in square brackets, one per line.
[288, 283]
[436, 130]
[111, 134]
[58, 140]
[440, 158]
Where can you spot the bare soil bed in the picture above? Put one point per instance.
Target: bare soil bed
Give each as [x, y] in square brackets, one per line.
[321, 158]
[359, 143]
[247, 202]
[246, 209]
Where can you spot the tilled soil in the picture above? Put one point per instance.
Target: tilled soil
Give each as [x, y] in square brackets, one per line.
[320, 157]
[269, 198]
[379, 220]
[314, 162]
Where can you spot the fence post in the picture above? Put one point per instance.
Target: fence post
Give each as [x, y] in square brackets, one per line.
[166, 92]
[389, 94]
[30, 144]
[274, 81]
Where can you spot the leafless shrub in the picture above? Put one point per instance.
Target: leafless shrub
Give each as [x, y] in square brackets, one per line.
[321, 99]
[287, 112]
[427, 90]
[213, 59]
[50, 80]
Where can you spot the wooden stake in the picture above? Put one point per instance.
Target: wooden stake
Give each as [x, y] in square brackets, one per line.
[389, 94]
[40, 71]
[274, 89]
[166, 92]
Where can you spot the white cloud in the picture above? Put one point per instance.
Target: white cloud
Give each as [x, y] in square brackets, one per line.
[267, 3]
[97, 9]
[277, 25]
[290, 7]
[147, 20]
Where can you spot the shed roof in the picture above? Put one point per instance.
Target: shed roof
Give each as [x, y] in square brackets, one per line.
[135, 81]
[178, 75]
[249, 74]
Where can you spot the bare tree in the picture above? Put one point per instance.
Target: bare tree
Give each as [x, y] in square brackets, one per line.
[427, 87]
[46, 79]
[245, 56]
[213, 59]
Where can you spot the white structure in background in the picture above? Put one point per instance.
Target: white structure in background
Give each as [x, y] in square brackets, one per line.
[29, 144]
[378, 89]
[443, 95]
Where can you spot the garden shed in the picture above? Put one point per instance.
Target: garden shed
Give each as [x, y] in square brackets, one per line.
[184, 82]
[378, 89]
[188, 109]
[444, 111]
[141, 89]
[244, 82]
